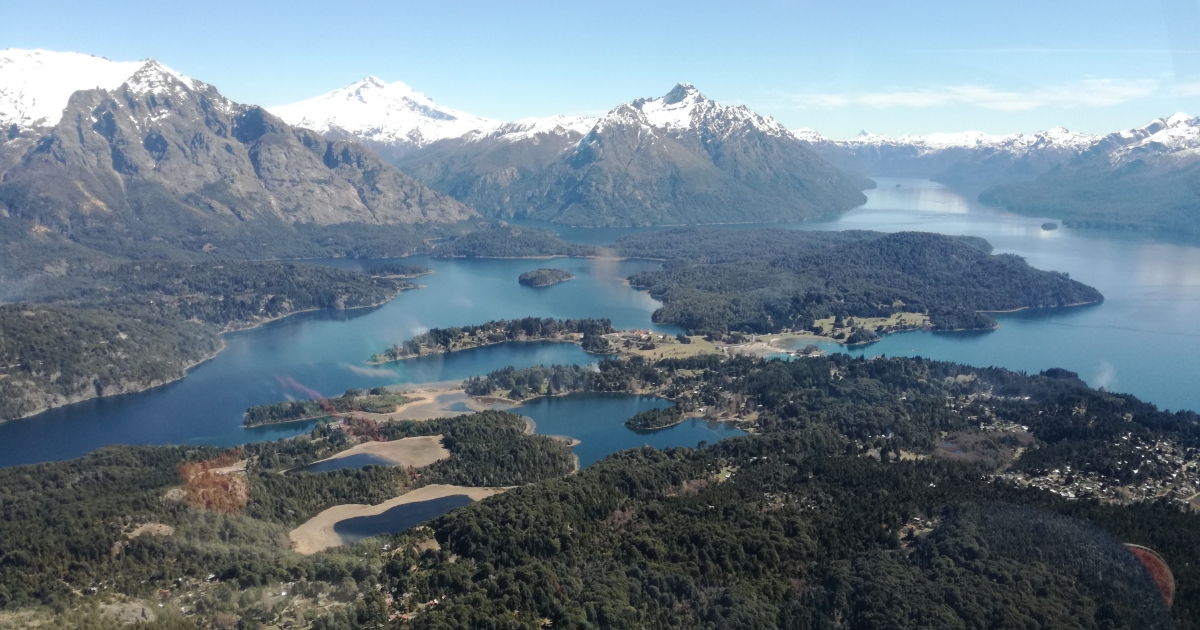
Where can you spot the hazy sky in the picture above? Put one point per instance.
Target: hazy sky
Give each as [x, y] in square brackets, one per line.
[890, 67]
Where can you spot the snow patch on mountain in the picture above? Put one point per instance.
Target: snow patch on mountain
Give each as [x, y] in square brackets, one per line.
[35, 85]
[389, 113]
[1057, 138]
[530, 128]
[1177, 136]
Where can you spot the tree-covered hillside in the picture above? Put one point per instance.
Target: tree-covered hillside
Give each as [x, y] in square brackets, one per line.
[770, 280]
[843, 509]
[123, 327]
[66, 527]
[1161, 195]
[53, 355]
[229, 294]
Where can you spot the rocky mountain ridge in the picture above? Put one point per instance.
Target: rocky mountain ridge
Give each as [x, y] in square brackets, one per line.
[678, 159]
[163, 157]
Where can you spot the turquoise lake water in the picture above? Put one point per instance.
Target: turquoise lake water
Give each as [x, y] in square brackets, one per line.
[1144, 339]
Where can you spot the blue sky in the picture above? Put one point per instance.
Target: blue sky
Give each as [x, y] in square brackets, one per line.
[890, 67]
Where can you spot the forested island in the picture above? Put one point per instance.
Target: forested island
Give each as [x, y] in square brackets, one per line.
[586, 332]
[376, 400]
[765, 281]
[128, 326]
[655, 419]
[888, 482]
[544, 277]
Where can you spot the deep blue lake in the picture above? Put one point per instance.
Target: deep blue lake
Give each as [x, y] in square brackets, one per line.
[1144, 339]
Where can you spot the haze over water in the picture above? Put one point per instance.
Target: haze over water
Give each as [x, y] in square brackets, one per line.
[1144, 339]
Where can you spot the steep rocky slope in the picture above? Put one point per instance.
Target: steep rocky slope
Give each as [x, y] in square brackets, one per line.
[165, 158]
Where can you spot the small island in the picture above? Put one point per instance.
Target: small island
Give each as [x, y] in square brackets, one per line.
[655, 419]
[378, 400]
[544, 277]
[1049, 225]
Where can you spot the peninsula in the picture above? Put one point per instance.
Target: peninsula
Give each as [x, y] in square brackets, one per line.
[589, 333]
[768, 281]
[377, 400]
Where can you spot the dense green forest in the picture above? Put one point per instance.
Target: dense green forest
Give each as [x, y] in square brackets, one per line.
[771, 280]
[124, 327]
[438, 340]
[544, 277]
[781, 529]
[65, 527]
[510, 241]
[226, 294]
[820, 519]
[52, 355]
[376, 400]
[790, 536]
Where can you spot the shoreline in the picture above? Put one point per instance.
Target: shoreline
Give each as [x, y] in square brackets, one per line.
[1026, 308]
[221, 332]
[318, 534]
[482, 345]
[152, 385]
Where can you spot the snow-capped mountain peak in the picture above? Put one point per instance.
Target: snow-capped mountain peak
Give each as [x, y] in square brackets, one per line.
[391, 113]
[686, 109]
[1178, 118]
[677, 109]
[1177, 135]
[154, 78]
[35, 85]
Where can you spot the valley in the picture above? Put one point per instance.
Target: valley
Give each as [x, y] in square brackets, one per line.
[268, 367]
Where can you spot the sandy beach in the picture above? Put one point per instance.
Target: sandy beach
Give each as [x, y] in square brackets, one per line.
[317, 533]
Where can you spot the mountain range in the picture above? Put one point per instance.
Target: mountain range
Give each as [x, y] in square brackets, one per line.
[170, 158]
[683, 158]
[678, 158]
[163, 158]
[1141, 178]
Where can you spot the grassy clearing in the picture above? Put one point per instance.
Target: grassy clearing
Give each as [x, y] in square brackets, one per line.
[898, 321]
[668, 347]
[414, 451]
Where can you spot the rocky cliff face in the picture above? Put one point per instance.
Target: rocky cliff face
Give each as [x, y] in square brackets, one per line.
[163, 154]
